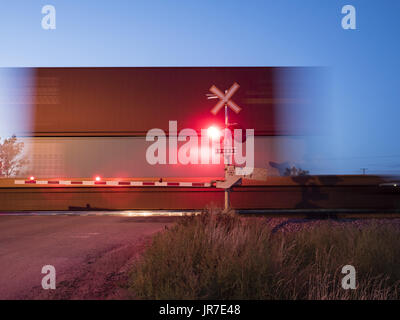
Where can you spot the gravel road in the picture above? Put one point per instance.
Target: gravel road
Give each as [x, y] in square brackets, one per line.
[91, 254]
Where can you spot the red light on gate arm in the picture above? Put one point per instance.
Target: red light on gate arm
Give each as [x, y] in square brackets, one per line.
[31, 178]
[213, 133]
[97, 178]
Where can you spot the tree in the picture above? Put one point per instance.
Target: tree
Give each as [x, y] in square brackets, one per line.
[293, 171]
[11, 159]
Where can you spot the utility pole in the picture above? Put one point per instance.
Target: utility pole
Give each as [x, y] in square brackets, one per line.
[364, 170]
[226, 155]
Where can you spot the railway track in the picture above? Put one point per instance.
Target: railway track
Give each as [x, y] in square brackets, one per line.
[251, 199]
[303, 214]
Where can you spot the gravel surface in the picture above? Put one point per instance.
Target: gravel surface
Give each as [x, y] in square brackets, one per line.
[296, 224]
[91, 254]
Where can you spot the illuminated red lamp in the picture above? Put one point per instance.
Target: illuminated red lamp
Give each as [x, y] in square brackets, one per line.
[97, 178]
[32, 178]
[214, 133]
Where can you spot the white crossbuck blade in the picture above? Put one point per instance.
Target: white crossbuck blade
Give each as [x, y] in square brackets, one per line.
[225, 98]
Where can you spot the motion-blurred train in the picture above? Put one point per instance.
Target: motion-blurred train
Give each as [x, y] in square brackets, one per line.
[82, 122]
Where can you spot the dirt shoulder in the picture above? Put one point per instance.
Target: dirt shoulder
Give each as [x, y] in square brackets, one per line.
[92, 255]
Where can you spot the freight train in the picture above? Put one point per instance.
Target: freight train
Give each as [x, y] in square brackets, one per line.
[82, 122]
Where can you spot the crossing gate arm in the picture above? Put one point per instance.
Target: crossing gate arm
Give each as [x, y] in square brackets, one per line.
[114, 183]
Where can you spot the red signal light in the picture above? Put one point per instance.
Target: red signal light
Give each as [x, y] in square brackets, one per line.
[214, 133]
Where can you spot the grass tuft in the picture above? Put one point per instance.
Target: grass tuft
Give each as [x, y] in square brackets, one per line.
[223, 256]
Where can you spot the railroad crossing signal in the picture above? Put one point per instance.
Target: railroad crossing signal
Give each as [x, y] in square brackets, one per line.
[225, 99]
[227, 151]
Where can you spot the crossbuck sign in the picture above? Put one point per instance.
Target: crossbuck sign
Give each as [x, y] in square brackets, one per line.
[225, 99]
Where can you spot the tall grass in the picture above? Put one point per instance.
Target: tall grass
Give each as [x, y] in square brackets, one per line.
[221, 256]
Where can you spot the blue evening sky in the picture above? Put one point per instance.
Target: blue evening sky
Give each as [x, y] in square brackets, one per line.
[363, 108]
